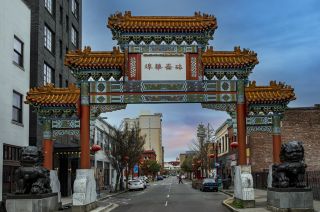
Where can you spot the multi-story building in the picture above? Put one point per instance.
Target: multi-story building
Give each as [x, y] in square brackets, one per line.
[15, 21]
[102, 135]
[151, 127]
[55, 29]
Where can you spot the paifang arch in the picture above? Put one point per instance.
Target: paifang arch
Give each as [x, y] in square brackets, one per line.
[160, 59]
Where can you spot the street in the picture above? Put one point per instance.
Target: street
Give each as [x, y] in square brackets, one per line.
[168, 195]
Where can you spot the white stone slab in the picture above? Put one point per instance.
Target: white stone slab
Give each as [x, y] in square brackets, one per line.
[84, 187]
[243, 183]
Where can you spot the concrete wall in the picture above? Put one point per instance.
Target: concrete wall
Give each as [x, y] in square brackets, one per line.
[15, 18]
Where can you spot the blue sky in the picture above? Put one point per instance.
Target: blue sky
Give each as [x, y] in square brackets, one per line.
[285, 35]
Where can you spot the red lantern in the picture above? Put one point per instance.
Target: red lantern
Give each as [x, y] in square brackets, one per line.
[234, 144]
[95, 148]
[211, 156]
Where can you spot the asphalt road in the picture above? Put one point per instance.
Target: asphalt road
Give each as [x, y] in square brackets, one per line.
[168, 195]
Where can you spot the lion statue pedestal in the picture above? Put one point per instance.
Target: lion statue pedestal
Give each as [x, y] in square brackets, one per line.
[33, 190]
[286, 184]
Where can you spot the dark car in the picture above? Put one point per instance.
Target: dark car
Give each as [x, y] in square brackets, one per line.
[209, 184]
[159, 177]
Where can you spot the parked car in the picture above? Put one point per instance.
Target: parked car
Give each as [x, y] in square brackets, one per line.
[159, 177]
[209, 184]
[135, 185]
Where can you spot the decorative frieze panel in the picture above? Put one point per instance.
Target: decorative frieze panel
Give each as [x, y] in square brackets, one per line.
[267, 109]
[162, 86]
[73, 132]
[251, 129]
[229, 107]
[259, 120]
[96, 110]
[66, 124]
[231, 74]
[57, 112]
[96, 74]
[133, 48]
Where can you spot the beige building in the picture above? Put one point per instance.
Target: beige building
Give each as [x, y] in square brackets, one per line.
[151, 127]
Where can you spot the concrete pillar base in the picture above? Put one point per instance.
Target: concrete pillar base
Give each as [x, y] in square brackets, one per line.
[84, 188]
[55, 184]
[243, 185]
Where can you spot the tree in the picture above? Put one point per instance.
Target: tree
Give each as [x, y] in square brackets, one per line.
[127, 146]
[150, 167]
[186, 166]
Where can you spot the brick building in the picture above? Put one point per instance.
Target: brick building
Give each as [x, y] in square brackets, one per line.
[301, 124]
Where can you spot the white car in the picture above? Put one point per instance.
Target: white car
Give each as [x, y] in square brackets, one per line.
[135, 185]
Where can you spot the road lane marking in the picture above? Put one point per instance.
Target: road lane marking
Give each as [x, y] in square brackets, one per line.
[168, 196]
[166, 203]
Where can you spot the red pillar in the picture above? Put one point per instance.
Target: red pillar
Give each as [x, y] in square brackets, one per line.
[276, 138]
[47, 145]
[85, 127]
[241, 128]
[241, 123]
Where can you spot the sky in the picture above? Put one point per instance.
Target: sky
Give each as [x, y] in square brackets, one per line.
[285, 34]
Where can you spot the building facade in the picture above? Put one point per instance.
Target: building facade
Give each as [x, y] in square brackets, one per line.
[15, 21]
[151, 127]
[298, 124]
[102, 135]
[55, 29]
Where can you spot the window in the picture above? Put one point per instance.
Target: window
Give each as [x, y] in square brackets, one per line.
[67, 83]
[48, 5]
[67, 23]
[60, 15]
[74, 36]
[75, 8]
[60, 81]
[17, 107]
[60, 48]
[18, 51]
[48, 38]
[48, 74]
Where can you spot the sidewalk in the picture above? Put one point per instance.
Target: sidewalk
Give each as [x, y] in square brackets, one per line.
[261, 201]
[67, 201]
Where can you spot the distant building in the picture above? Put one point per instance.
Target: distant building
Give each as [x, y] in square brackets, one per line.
[151, 128]
[15, 22]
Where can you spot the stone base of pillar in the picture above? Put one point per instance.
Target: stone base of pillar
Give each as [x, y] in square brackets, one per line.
[243, 186]
[55, 184]
[84, 188]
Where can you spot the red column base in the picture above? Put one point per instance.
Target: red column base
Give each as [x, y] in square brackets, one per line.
[276, 148]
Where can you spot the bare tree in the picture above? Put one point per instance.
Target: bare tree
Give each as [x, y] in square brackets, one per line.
[126, 151]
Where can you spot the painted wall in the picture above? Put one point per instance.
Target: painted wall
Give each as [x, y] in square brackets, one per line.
[15, 20]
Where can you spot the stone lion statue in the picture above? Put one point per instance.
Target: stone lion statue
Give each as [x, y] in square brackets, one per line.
[31, 177]
[290, 172]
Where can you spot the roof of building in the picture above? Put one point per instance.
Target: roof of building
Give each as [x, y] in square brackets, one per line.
[128, 23]
[273, 93]
[86, 59]
[49, 95]
[229, 59]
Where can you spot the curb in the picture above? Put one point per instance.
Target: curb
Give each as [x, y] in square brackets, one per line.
[227, 193]
[111, 195]
[224, 203]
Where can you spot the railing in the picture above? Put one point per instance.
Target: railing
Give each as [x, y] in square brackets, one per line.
[260, 181]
